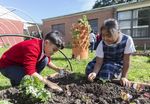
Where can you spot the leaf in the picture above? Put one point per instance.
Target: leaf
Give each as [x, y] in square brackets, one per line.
[34, 87]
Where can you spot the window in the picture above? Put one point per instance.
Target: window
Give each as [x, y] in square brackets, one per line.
[59, 27]
[125, 24]
[135, 14]
[141, 23]
[135, 22]
[126, 31]
[124, 15]
[143, 13]
[125, 21]
[94, 25]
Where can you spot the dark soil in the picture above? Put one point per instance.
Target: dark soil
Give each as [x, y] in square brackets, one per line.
[77, 90]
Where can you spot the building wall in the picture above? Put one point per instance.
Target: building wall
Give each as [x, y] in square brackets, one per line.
[141, 43]
[10, 27]
[101, 15]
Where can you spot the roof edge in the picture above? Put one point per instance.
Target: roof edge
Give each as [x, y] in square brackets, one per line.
[87, 11]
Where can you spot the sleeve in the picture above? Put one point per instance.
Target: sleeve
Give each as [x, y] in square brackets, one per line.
[99, 50]
[130, 48]
[30, 60]
[49, 59]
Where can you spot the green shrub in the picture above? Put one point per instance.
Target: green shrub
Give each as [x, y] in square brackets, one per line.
[4, 102]
[34, 88]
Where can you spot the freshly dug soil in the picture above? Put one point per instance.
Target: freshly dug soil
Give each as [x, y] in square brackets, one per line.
[77, 90]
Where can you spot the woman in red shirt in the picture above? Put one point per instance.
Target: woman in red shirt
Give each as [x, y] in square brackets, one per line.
[30, 57]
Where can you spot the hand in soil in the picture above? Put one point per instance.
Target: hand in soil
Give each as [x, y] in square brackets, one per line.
[54, 86]
[62, 71]
[80, 91]
[125, 82]
[92, 76]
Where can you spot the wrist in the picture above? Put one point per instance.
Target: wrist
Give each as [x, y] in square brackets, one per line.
[124, 75]
[123, 78]
[96, 72]
[57, 69]
[44, 81]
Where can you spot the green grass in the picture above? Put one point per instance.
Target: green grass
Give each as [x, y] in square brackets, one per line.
[5, 102]
[4, 82]
[139, 70]
[2, 50]
[58, 59]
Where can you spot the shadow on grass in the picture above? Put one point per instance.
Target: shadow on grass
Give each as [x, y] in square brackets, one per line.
[148, 60]
[60, 58]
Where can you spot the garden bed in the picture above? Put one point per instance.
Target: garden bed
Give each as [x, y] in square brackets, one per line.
[77, 90]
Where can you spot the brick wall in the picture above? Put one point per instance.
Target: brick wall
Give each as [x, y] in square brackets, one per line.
[139, 43]
[101, 15]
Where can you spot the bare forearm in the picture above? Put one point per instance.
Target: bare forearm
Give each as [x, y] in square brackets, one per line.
[47, 82]
[98, 65]
[125, 70]
[53, 66]
[126, 64]
[42, 79]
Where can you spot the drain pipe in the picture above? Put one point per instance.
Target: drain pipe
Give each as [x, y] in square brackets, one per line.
[145, 48]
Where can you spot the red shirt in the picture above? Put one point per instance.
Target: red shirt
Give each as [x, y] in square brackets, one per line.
[98, 37]
[24, 54]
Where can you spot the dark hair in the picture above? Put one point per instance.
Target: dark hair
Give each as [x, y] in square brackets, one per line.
[56, 38]
[110, 25]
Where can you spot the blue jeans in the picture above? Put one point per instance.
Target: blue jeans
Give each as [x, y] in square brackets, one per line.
[16, 73]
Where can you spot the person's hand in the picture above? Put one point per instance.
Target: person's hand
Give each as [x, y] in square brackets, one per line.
[92, 76]
[54, 86]
[62, 70]
[125, 82]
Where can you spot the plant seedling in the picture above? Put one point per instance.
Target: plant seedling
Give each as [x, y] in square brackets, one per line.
[31, 86]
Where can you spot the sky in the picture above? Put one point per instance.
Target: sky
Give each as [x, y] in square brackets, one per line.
[36, 10]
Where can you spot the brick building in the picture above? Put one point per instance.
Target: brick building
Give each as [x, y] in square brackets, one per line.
[133, 18]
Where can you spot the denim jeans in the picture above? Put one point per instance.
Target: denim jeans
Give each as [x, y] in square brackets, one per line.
[16, 73]
[92, 46]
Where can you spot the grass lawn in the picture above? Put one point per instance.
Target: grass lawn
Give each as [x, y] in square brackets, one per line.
[139, 70]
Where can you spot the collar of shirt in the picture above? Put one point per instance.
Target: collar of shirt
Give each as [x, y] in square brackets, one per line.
[119, 40]
[42, 54]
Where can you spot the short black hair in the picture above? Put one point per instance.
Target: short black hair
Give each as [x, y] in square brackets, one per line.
[91, 31]
[110, 25]
[56, 38]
